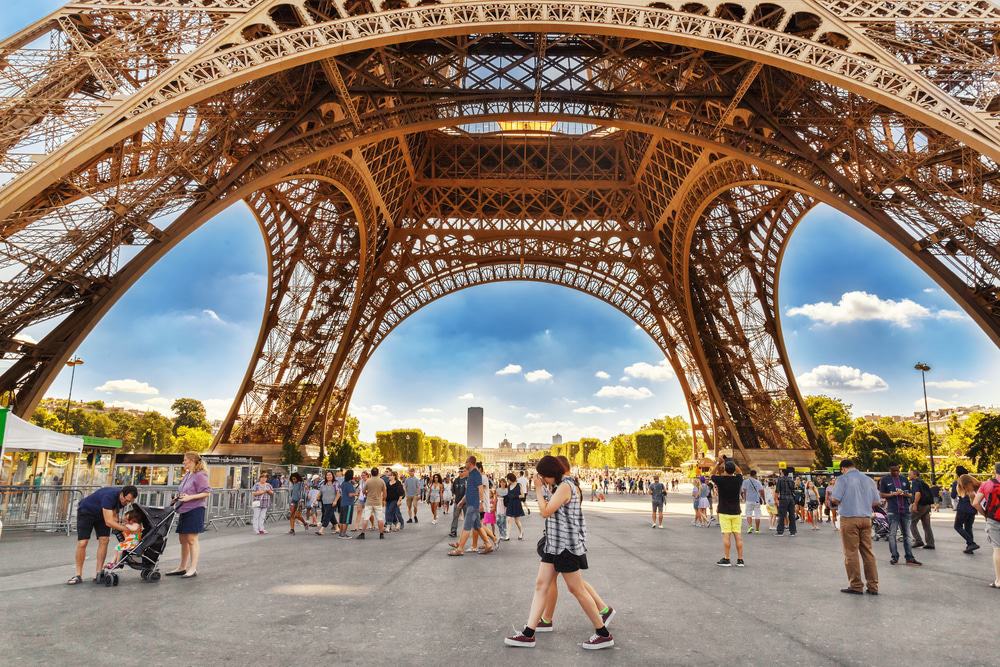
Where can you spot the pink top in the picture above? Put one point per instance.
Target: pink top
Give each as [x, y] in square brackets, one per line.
[193, 482]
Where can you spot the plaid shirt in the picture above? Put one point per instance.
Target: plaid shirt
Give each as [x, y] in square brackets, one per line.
[565, 529]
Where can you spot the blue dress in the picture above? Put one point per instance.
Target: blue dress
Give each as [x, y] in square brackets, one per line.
[512, 501]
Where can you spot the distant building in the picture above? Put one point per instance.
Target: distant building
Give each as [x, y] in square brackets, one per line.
[474, 432]
[557, 439]
[505, 444]
[939, 418]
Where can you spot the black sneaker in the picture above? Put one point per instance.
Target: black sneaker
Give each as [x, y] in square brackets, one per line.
[740, 563]
[409, 521]
[851, 591]
[973, 547]
[381, 536]
[724, 562]
[606, 617]
[360, 536]
[520, 641]
[416, 520]
[452, 534]
[927, 547]
[893, 561]
[598, 642]
[913, 561]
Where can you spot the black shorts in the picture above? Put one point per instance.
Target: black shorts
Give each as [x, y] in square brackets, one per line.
[87, 523]
[566, 561]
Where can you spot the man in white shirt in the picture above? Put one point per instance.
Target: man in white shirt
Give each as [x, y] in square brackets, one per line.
[752, 492]
[523, 481]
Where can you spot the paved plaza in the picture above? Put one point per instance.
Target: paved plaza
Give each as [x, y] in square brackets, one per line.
[280, 599]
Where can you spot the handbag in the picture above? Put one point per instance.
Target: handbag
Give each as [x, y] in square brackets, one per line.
[255, 504]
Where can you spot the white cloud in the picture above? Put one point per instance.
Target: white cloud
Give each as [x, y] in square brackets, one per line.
[642, 370]
[945, 314]
[601, 375]
[539, 375]
[951, 384]
[626, 423]
[128, 386]
[930, 290]
[378, 409]
[217, 408]
[593, 410]
[843, 378]
[211, 314]
[860, 306]
[515, 407]
[430, 411]
[551, 426]
[466, 397]
[619, 391]
[509, 369]
[570, 400]
[932, 403]
[533, 415]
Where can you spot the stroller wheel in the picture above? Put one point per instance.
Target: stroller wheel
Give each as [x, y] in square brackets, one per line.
[154, 576]
[114, 579]
[144, 575]
[107, 580]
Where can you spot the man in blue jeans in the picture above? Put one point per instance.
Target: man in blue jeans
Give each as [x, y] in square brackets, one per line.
[895, 490]
[784, 496]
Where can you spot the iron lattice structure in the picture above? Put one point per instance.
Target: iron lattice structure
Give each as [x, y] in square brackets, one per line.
[654, 155]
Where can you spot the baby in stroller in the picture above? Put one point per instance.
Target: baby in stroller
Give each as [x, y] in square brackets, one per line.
[880, 525]
[130, 538]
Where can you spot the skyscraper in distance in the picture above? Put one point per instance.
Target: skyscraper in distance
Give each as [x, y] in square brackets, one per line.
[557, 439]
[474, 433]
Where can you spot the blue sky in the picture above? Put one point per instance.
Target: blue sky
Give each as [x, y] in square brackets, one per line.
[856, 314]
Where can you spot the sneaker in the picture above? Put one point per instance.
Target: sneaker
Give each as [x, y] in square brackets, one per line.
[434, 522]
[724, 562]
[416, 520]
[520, 641]
[929, 547]
[409, 521]
[598, 642]
[851, 591]
[740, 563]
[893, 561]
[544, 626]
[610, 614]
[973, 547]
[653, 526]
[913, 561]
[381, 536]
[749, 530]
[360, 536]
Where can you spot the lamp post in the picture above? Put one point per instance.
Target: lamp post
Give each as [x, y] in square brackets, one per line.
[923, 368]
[72, 363]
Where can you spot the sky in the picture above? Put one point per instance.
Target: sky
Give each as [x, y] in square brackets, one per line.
[539, 359]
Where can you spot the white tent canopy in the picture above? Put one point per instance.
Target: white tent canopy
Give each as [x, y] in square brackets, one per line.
[15, 433]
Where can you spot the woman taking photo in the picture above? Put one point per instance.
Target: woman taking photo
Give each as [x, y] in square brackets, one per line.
[562, 551]
[296, 502]
[434, 494]
[191, 494]
[515, 510]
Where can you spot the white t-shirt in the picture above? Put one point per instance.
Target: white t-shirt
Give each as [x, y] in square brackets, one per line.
[768, 495]
[523, 481]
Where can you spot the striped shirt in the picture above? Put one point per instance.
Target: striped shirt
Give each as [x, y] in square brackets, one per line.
[565, 529]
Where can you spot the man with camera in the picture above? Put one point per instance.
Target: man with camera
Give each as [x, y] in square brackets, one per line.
[728, 480]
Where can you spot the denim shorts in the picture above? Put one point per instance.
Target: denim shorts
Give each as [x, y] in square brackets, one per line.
[472, 521]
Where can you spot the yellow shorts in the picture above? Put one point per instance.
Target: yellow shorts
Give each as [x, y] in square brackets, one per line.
[730, 523]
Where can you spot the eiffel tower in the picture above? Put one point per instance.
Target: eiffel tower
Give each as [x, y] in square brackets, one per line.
[656, 155]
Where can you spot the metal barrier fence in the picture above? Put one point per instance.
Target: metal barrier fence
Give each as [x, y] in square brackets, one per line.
[54, 509]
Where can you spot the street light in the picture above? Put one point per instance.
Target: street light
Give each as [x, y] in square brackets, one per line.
[923, 368]
[72, 363]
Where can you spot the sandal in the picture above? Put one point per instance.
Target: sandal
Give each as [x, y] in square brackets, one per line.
[455, 552]
[74, 580]
[993, 585]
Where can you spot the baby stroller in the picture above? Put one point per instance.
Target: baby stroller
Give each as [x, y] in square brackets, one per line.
[880, 525]
[145, 556]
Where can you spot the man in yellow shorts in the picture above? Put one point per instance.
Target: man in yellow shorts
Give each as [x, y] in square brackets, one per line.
[728, 479]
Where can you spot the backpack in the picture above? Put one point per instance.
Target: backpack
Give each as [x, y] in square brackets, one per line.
[992, 500]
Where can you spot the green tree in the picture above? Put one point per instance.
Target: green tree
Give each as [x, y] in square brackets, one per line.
[877, 445]
[677, 432]
[831, 416]
[624, 451]
[824, 450]
[47, 419]
[651, 448]
[985, 447]
[958, 439]
[189, 412]
[589, 453]
[192, 440]
[154, 433]
[291, 454]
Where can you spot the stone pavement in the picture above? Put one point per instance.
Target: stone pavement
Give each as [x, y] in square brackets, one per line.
[277, 599]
